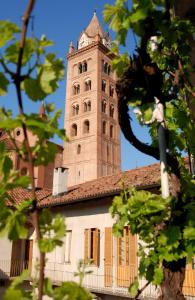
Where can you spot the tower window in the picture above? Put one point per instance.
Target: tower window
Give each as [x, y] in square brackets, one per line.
[109, 70]
[104, 106]
[18, 132]
[88, 85]
[76, 89]
[75, 109]
[86, 126]
[106, 68]
[103, 85]
[78, 149]
[111, 90]
[85, 66]
[85, 106]
[89, 106]
[111, 131]
[104, 127]
[80, 68]
[111, 110]
[74, 130]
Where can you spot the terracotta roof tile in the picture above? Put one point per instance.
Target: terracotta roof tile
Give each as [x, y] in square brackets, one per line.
[94, 27]
[141, 178]
[20, 194]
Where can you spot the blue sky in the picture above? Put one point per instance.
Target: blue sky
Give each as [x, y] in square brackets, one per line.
[63, 21]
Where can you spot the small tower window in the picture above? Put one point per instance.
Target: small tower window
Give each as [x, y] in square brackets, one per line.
[84, 106]
[80, 68]
[74, 130]
[77, 109]
[85, 66]
[111, 110]
[111, 131]
[78, 149]
[86, 126]
[109, 70]
[104, 106]
[88, 85]
[18, 132]
[111, 90]
[89, 106]
[76, 89]
[106, 68]
[104, 127]
[103, 85]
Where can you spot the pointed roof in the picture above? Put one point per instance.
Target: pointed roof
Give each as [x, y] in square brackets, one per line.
[94, 27]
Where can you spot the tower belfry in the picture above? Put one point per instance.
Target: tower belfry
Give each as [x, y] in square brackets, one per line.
[91, 119]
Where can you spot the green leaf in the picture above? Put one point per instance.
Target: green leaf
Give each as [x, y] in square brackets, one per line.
[158, 276]
[71, 291]
[7, 31]
[133, 289]
[33, 89]
[3, 84]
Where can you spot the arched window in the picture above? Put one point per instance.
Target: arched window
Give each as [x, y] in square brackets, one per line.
[85, 66]
[104, 106]
[86, 126]
[89, 106]
[111, 110]
[111, 90]
[78, 149]
[77, 109]
[74, 130]
[73, 110]
[111, 131]
[88, 85]
[84, 106]
[109, 70]
[76, 89]
[103, 85]
[102, 65]
[80, 68]
[106, 68]
[104, 127]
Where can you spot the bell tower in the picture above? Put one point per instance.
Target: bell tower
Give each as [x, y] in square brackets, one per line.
[91, 120]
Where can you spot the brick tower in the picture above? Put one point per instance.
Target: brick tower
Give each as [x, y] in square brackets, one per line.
[91, 119]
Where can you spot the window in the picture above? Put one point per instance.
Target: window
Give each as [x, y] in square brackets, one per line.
[67, 245]
[86, 126]
[92, 245]
[80, 68]
[85, 66]
[105, 68]
[76, 89]
[74, 130]
[103, 85]
[77, 109]
[111, 90]
[104, 127]
[104, 106]
[78, 149]
[18, 132]
[89, 106]
[111, 110]
[109, 70]
[88, 85]
[111, 131]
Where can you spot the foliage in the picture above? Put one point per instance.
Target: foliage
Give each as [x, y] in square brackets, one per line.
[28, 65]
[160, 66]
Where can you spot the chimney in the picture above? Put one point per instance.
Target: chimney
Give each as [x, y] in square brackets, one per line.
[60, 177]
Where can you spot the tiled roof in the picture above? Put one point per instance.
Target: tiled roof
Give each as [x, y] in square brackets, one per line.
[144, 177]
[94, 27]
[20, 194]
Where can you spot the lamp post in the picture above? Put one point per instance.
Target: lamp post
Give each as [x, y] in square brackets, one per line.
[158, 116]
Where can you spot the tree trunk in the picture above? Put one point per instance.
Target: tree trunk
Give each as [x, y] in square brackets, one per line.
[174, 275]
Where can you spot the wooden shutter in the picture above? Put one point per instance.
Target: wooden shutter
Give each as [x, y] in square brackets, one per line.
[96, 246]
[133, 256]
[108, 256]
[86, 244]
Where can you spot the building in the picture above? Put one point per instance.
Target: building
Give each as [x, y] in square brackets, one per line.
[91, 120]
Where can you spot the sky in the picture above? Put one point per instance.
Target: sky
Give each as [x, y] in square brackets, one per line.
[62, 21]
